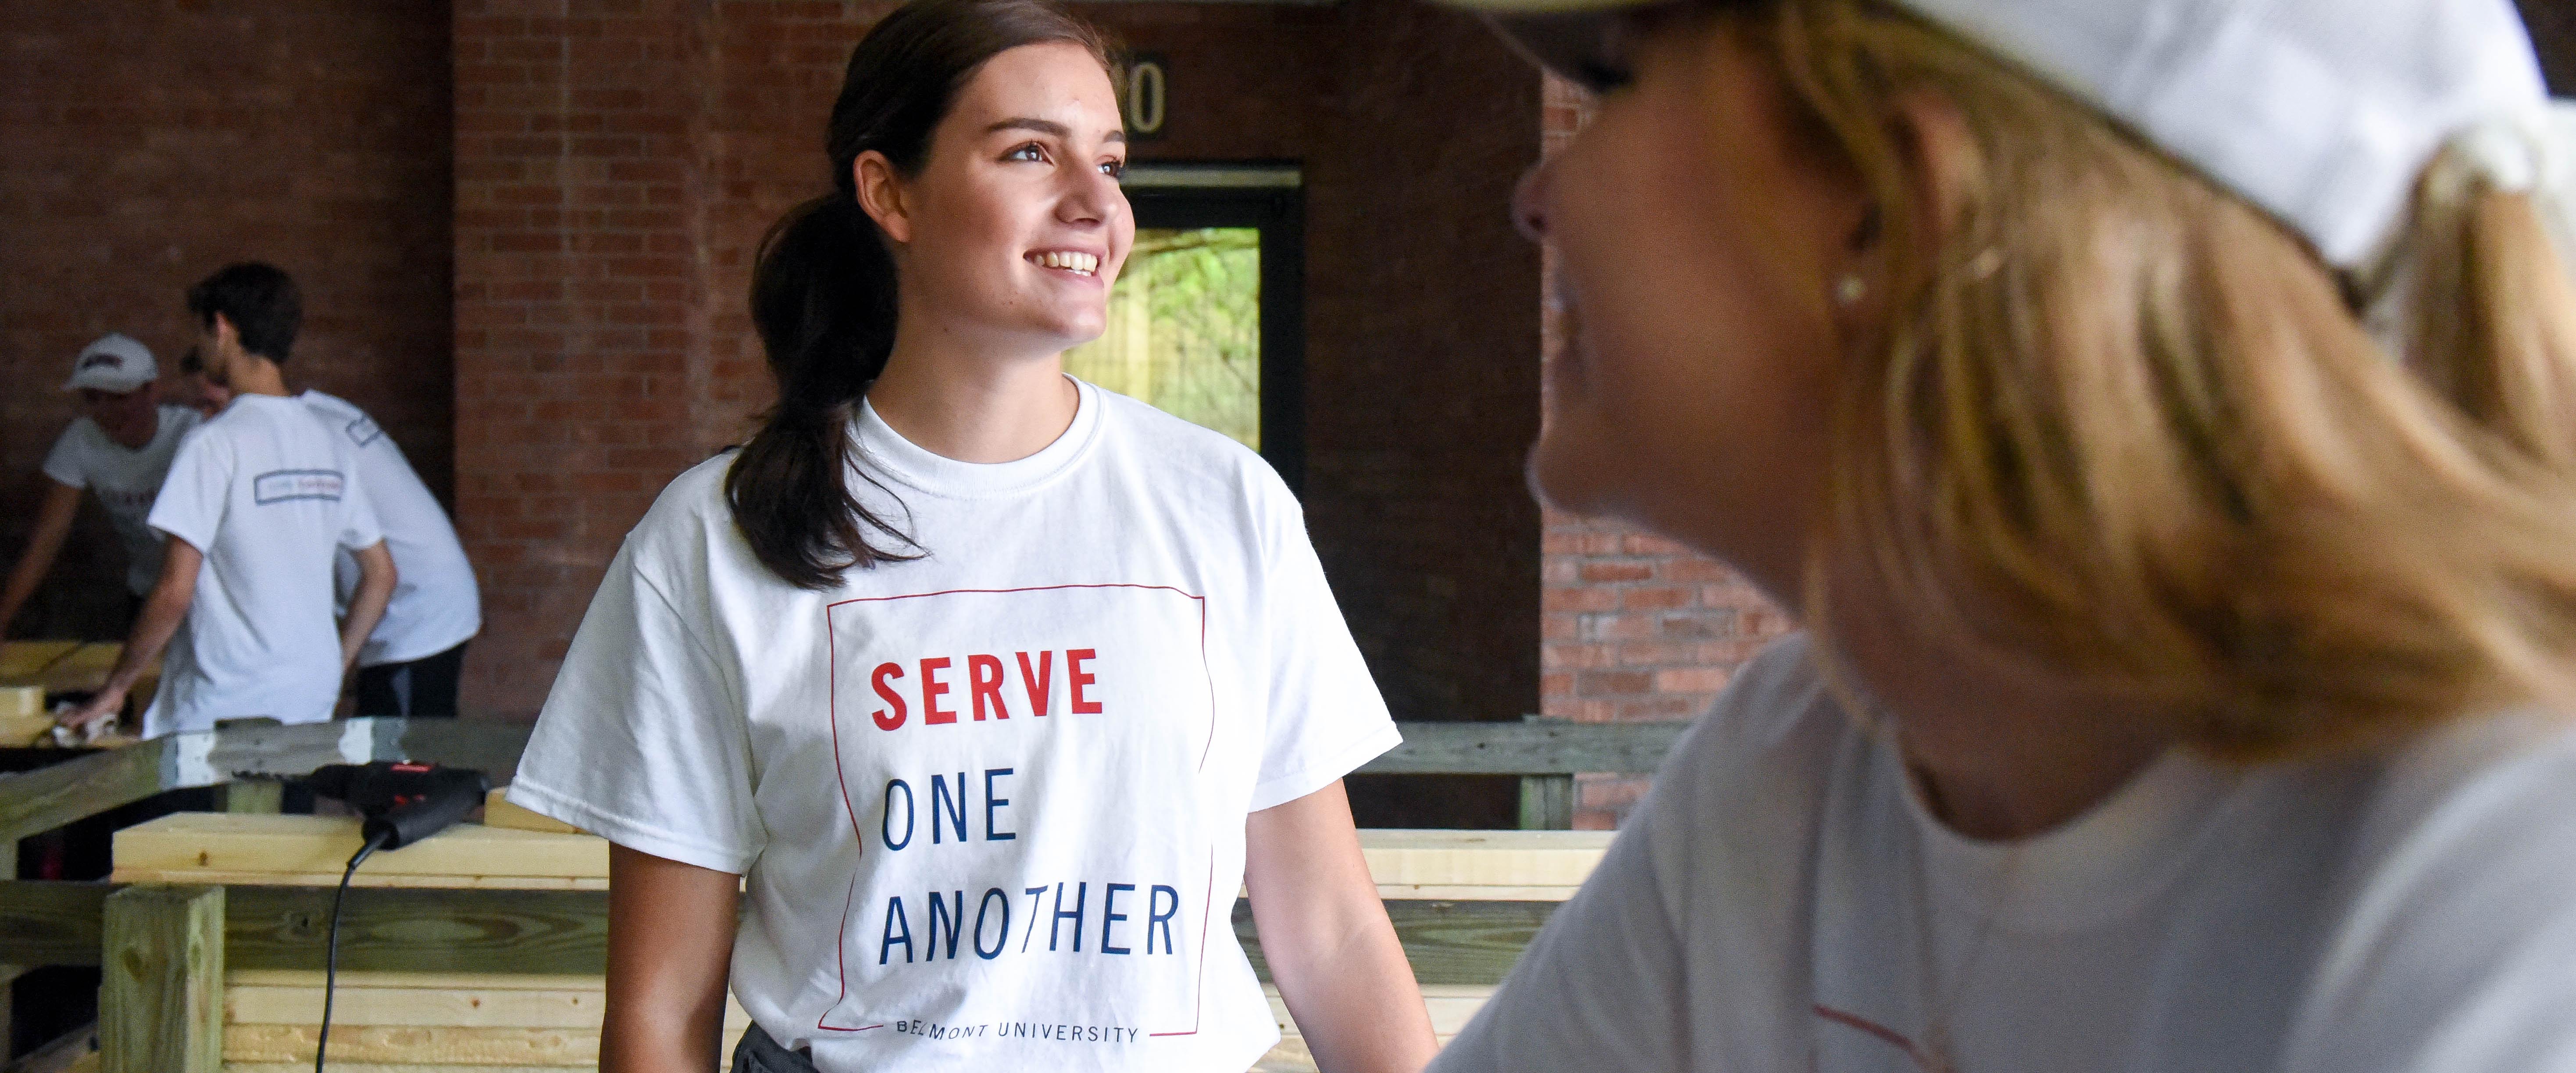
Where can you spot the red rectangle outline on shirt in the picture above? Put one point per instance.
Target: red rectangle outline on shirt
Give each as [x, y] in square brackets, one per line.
[832, 699]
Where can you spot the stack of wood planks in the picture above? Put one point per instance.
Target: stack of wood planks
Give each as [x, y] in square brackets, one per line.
[427, 1022]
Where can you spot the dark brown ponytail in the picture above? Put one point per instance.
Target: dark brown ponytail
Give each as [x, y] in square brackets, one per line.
[823, 286]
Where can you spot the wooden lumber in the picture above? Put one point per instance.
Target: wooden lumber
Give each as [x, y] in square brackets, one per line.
[256, 796]
[566, 932]
[51, 923]
[409, 1045]
[196, 847]
[34, 802]
[499, 812]
[1467, 943]
[561, 932]
[161, 999]
[310, 850]
[1547, 802]
[1535, 747]
[22, 662]
[1483, 858]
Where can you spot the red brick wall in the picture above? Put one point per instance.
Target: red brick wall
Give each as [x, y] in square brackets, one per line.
[1632, 627]
[150, 142]
[577, 247]
[616, 166]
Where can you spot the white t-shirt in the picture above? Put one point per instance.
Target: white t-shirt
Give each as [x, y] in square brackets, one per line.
[2414, 912]
[436, 605]
[267, 492]
[990, 803]
[126, 480]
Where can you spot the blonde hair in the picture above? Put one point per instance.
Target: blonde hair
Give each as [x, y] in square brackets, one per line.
[2130, 430]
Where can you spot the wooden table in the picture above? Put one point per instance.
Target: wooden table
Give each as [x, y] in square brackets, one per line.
[531, 904]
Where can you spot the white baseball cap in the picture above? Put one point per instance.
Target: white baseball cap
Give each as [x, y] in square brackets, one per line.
[116, 363]
[2323, 112]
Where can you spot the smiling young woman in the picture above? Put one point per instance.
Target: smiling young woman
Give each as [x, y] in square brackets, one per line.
[2162, 415]
[982, 689]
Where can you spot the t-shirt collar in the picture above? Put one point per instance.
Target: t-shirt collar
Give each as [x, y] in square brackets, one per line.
[885, 451]
[2096, 867]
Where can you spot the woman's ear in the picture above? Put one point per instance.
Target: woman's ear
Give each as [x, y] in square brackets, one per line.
[1948, 166]
[881, 195]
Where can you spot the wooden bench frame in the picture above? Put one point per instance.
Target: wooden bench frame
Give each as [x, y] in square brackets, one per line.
[164, 949]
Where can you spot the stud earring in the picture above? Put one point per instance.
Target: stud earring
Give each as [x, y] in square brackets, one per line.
[1850, 289]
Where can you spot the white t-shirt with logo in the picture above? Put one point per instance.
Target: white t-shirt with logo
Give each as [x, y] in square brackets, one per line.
[990, 803]
[266, 491]
[126, 480]
[436, 605]
[2414, 911]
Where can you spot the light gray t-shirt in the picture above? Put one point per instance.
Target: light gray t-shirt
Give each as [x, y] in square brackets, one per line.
[436, 605]
[1764, 913]
[125, 480]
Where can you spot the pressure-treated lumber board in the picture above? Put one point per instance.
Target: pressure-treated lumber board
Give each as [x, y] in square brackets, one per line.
[50, 923]
[310, 850]
[1536, 747]
[465, 1000]
[332, 879]
[1447, 942]
[556, 1047]
[499, 812]
[512, 931]
[38, 801]
[338, 1066]
[161, 1001]
[566, 932]
[33, 802]
[426, 1000]
[293, 849]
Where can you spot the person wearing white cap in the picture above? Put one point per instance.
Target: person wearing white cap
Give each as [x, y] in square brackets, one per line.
[2161, 417]
[120, 450]
[257, 503]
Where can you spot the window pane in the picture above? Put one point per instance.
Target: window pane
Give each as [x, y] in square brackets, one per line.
[1185, 329]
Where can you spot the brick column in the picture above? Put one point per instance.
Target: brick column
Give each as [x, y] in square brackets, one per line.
[576, 256]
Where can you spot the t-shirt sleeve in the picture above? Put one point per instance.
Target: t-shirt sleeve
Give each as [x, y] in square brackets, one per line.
[2459, 954]
[63, 463]
[359, 527]
[1600, 989]
[191, 504]
[1326, 716]
[644, 740]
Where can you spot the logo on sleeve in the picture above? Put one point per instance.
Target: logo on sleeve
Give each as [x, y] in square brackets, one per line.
[363, 431]
[280, 486]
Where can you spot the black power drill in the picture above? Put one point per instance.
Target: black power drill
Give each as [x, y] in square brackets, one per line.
[402, 802]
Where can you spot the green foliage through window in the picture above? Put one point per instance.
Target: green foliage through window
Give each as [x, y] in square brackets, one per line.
[1184, 330]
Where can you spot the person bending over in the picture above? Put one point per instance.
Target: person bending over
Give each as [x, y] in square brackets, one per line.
[119, 450]
[257, 503]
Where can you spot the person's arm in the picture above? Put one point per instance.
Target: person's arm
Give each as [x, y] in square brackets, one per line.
[670, 944]
[367, 605]
[53, 523]
[161, 614]
[1326, 937]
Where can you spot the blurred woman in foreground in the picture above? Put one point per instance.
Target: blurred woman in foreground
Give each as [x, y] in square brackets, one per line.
[2162, 417]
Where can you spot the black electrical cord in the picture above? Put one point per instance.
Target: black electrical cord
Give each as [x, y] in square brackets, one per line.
[331, 947]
